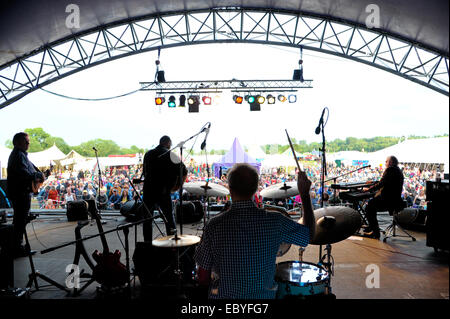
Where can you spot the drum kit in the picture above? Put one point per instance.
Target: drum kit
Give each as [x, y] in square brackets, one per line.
[300, 279]
[295, 279]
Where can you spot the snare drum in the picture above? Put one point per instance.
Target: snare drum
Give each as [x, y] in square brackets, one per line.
[300, 280]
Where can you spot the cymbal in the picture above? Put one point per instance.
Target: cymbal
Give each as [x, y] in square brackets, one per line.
[200, 188]
[171, 242]
[334, 224]
[282, 190]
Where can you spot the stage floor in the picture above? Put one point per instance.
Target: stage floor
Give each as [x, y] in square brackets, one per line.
[363, 268]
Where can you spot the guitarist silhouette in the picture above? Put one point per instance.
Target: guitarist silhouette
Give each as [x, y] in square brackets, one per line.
[21, 174]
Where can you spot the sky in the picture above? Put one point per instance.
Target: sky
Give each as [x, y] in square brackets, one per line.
[363, 101]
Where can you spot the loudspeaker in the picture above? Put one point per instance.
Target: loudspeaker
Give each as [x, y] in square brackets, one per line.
[157, 265]
[77, 210]
[160, 77]
[132, 210]
[192, 212]
[298, 75]
[6, 256]
[438, 219]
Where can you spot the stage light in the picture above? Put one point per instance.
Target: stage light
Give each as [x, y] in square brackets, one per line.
[160, 100]
[172, 101]
[251, 99]
[182, 101]
[238, 99]
[292, 98]
[261, 99]
[270, 99]
[281, 98]
[194, 102]
[207, 100]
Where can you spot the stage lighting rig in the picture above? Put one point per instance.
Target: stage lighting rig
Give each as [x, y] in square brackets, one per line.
[271, 99]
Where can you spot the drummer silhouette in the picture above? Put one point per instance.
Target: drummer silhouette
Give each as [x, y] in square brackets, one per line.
[238, 248]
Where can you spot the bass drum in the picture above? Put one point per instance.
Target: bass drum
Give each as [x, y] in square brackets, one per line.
[301, 280]
[284, 247]
[192, 212]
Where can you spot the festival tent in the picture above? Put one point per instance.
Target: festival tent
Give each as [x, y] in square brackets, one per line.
[257, 153]
[4, 155]
[46, 157]
[71, 159]
[236, 154]
[429, 151]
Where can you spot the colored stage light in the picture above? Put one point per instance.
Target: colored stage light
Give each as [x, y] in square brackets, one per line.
[238, 99]
[251, 99]
[270, 99]
[282, 98]
[172, 101]
[207, 100]
[194, 102]
[261, 99]
[160, 100]
[292, 98]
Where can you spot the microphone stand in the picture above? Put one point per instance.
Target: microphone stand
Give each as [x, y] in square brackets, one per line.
[99, 182]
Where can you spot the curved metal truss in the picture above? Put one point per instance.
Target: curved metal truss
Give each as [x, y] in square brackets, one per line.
[357, 43]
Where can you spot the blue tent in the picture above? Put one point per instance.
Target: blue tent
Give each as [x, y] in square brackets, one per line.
[236, 154]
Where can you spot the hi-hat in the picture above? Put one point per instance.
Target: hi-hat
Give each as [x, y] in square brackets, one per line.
[172, 242]
[334, 224]
[282, 190]
[200, 188]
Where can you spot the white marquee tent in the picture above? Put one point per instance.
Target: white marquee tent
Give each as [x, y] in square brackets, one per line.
[430, 151]
[43, 158]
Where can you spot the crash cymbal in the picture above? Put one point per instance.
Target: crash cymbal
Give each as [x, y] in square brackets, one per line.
[334, 224]
[172, 242]
[282, 190]
[200, 188]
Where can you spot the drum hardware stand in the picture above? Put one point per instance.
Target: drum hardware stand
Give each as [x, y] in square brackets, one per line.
[328, 264]
[35, 274]
[301, 250]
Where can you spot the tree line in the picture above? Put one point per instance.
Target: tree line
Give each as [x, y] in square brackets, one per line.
[41, 140]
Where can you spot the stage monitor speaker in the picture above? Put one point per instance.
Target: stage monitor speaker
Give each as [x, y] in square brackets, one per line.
[6, 257]
[132, 210]
[157, 265]
[192, 212]
[77, 210]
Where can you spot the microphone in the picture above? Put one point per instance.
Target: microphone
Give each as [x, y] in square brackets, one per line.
[365, 167]
[94, 148]
[206, 136]
[320, 122]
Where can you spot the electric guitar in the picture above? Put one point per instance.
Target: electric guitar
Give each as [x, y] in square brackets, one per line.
[37, 183]
[109, 271]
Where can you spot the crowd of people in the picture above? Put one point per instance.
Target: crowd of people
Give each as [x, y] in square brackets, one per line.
[115, 188]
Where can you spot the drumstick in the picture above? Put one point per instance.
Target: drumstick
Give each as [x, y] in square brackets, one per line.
[293, 152]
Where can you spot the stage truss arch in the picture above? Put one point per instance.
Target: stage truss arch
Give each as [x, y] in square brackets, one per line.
[235, 25]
